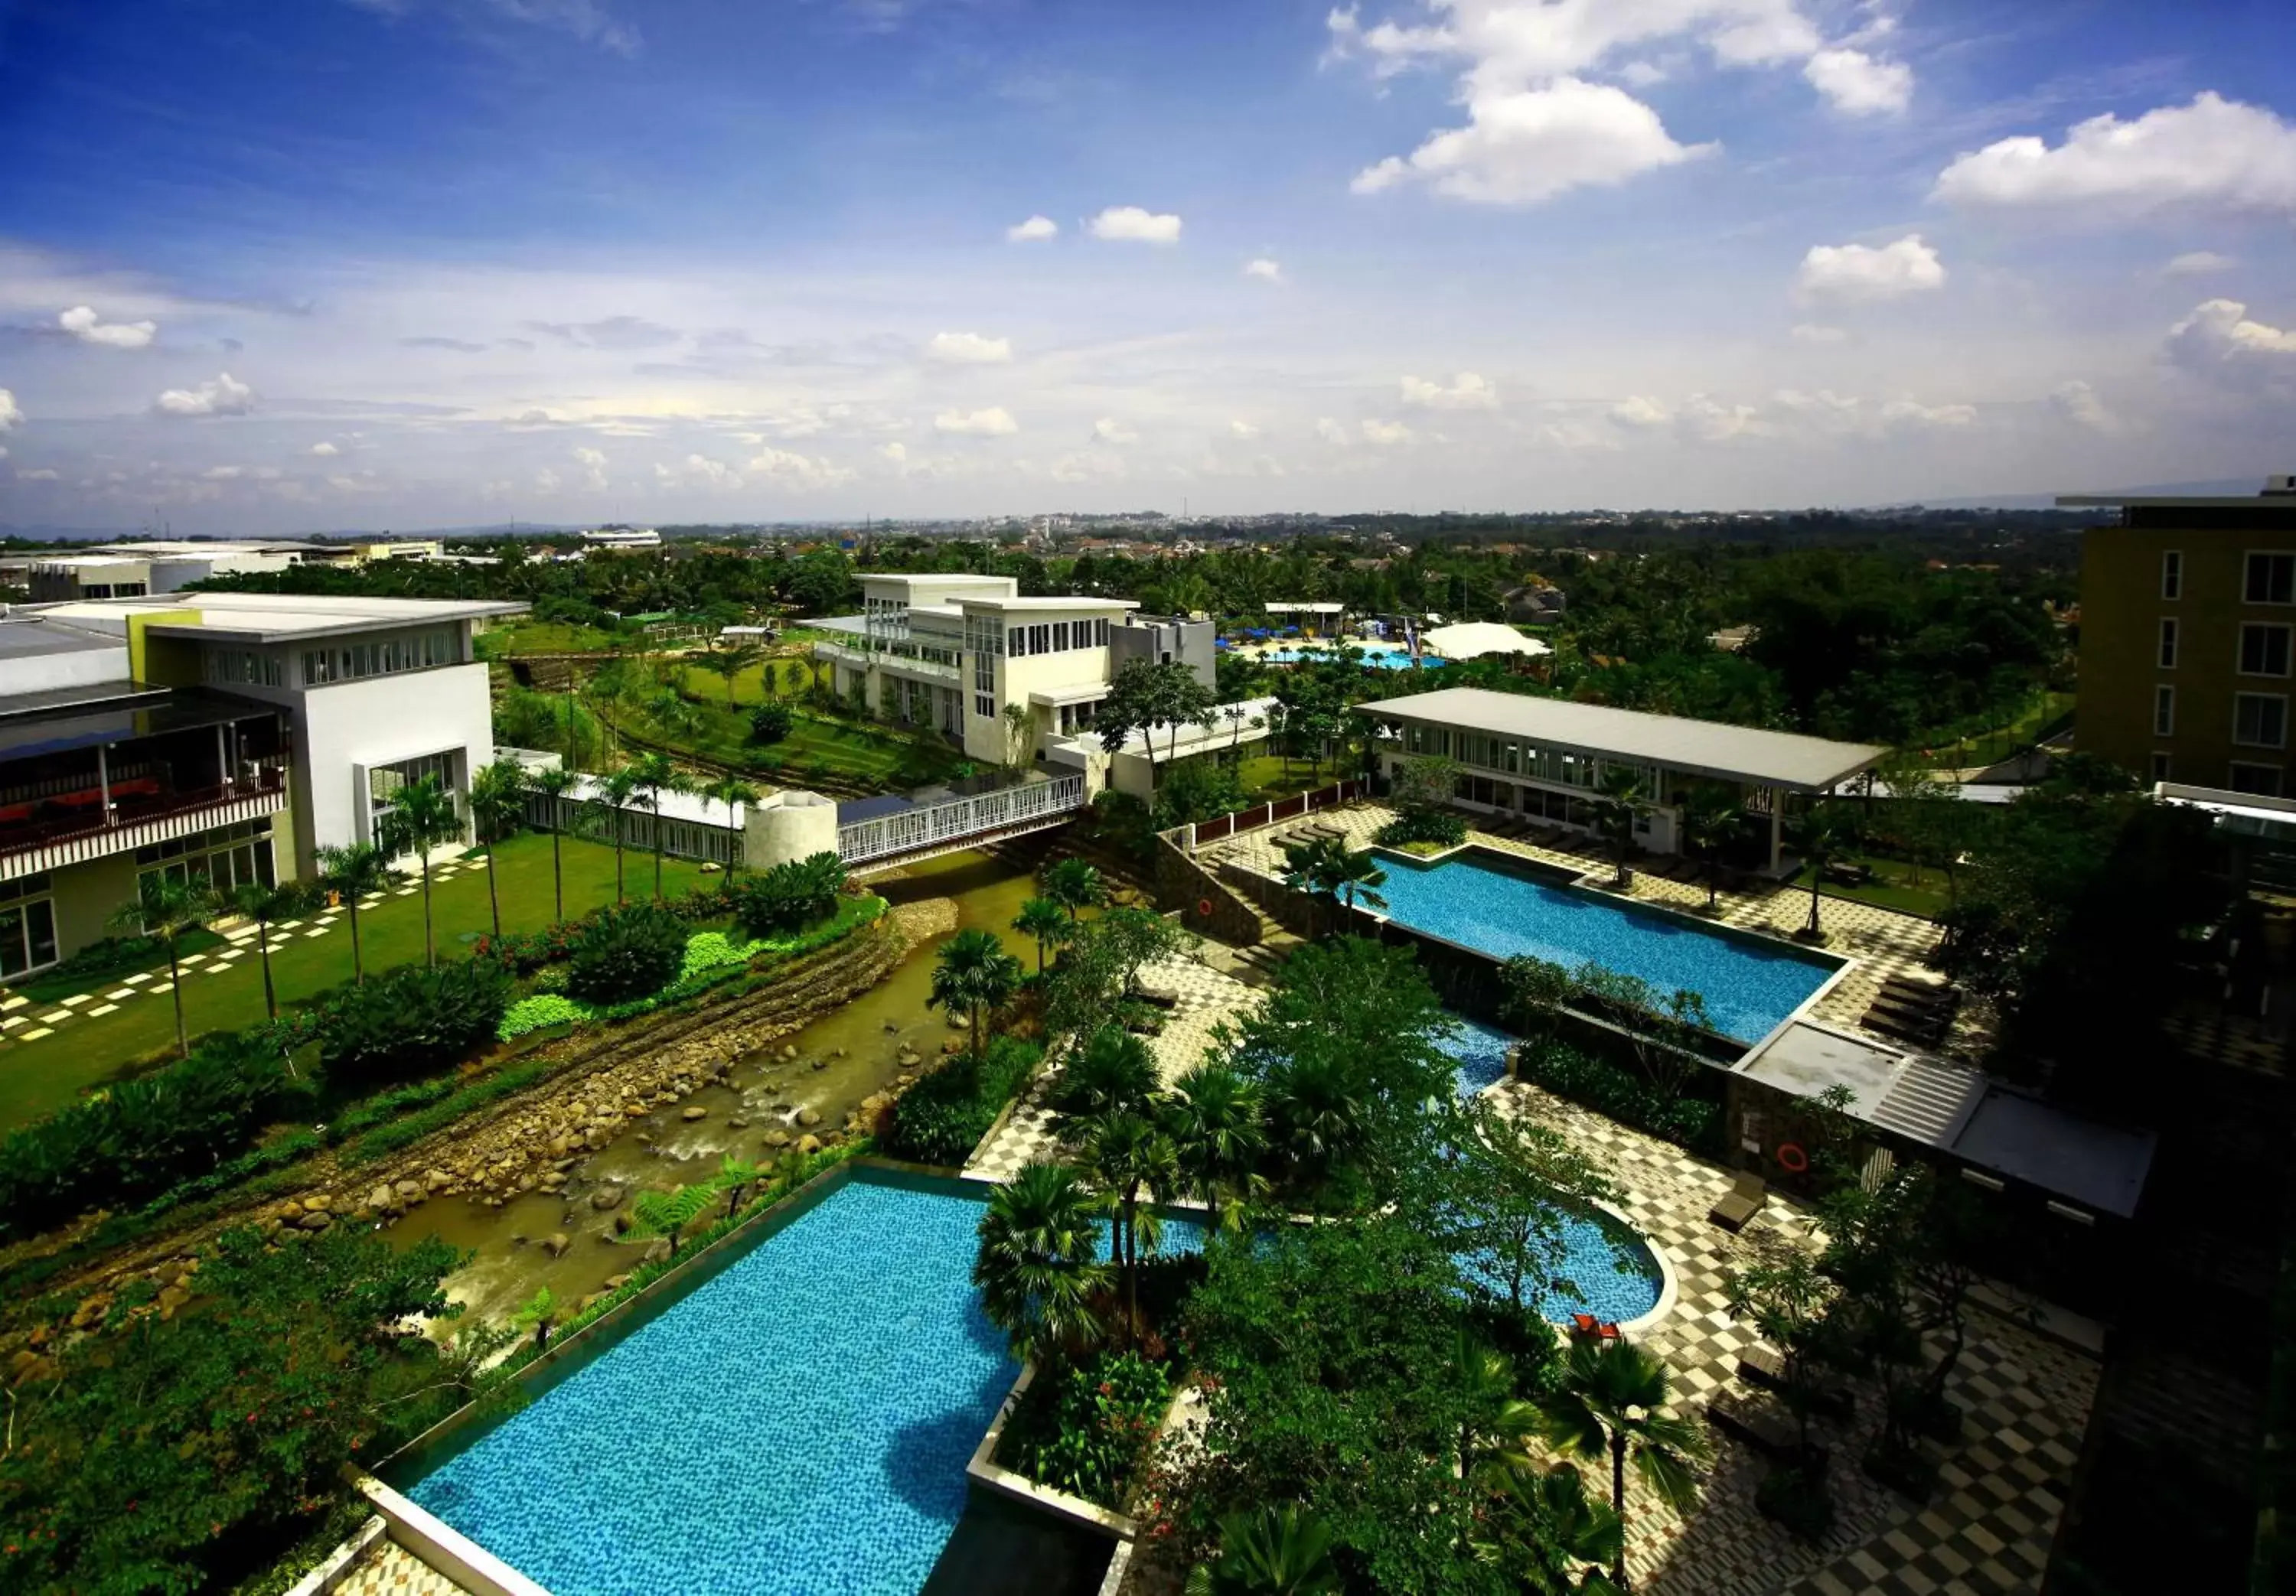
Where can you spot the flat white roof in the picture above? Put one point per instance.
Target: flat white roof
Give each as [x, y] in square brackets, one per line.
[279, 617]
[1319, 607]
[1707, 747]
[1074, 601]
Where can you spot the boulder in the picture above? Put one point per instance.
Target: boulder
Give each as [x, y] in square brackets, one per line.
[318, 1202]
[290, 1210]
[808, 1117]
[622, 1223]
[657, 1251]
[821, 1063]
[615, 1283]
[380, 1197]
[808, 1145]
[407, 1190]
[694, 1111]
[606, 1197]
[556, 1243]
[777, 1138]
[317, 1219]
[172, 1299]
[789, 1051]
[737, 1124]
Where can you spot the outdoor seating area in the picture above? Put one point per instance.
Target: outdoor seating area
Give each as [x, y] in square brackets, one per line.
[1909, 1009]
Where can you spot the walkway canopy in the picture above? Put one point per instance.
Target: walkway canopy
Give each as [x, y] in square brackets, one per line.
[1472, 640]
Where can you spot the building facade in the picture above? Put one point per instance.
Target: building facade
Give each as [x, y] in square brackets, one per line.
[2188, 637]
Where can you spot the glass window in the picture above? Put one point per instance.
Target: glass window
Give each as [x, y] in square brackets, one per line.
[2264, 648]
[2263, 779]
[2172, 575]
[2164, 712]
[2168, 643]
[2271, 579]
[2260, 719]
[2161, 765]
[28, 937]
[1060, 637]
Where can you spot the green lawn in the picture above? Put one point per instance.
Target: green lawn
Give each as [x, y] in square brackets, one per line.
[876, 757]
[544, 637]
[2042, 715]
[1266, 777]
[37, 1077]
[1891, 887]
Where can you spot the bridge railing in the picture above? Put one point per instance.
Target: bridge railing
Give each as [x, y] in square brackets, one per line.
[956, 818]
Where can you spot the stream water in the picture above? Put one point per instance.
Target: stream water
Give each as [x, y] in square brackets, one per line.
[841, 1059]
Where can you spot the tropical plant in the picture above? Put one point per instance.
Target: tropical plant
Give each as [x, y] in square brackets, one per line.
[1046, 922]
[1827, 831]
[1611, 1401]
[1128, 1153]
[1019, 727]
[734, 1178]
[1145, 695]
[538, 1313]
[617, 789]
[498, 807]
[1074, 884]
[656, 776]
[413, 1020]
[771, 723]
[1318, 1112]
[788, 897]
[1786, 1302]
[1218, 1130]
[423, 815]
[1510, 1191]
[1113, 1073]
[254, 901]
[624, 952]
[163, 909]
[354, 871]
[973, 974]
[670, 1214]
[551, 784]
[1038, 1265]
[733, 792]
[1494, 1419]
[1282, 1550]
[1327, 870]
[1083, 1428]
[1539, 992]
[1622, 798]
[1710, 817]
[1544, 1530]
[731, 662]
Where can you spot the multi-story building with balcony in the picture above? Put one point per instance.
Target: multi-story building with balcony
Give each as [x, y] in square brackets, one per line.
[229, 736]
[2188, 638]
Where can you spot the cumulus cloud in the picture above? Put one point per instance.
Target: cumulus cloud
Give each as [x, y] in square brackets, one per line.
[1385, 433]
[1264, 269]
[1910, 414]
[697, 470]
[592, 462]
[1032, 230]
[545, 481]
[2220, 342]
[1129, 223]
[1523, 146]
[896, 452]
[2078, 403]
[1330, 431]
[1639, 409]
[2198, 262]
[81, 321]
[968, 348]
[2214, 154]
[324, 450]
[1467, 391]
[43, 474]
[1858, 85]
[12, 414]
[1855, 272]
[791, 469]
[1709, 420]
[1108, 429]
[996, 421]
[1242, 431]
[225, 396]
[222, 473]
[1818, 333]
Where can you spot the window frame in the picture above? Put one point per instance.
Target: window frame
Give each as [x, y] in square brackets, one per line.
[2278, 773]
[2164, 710]
[2249, 557]
[2172, 575]
[2280, 699]
[2165, 651]
[2287, 631]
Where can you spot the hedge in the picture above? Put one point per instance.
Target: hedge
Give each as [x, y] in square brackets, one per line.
[1694, 1122]
[943, 1117]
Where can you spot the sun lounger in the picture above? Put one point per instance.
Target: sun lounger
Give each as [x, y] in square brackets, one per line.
[1919, 1033]
[1738, 1208]
[1762, 1424]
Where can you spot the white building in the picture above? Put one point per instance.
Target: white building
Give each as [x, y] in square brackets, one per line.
[621, 540]
[128, 570]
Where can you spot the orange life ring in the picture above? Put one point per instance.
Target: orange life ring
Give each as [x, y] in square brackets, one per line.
[1204, 907]
[1791, 1159]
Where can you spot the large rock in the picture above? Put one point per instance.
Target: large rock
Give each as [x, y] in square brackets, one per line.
[808, 1117]
[807, 1145]
[658, 1252]
[777, 1138]
[606, 1197]
[694, 1111]
[317, 1219]
[556, 1243]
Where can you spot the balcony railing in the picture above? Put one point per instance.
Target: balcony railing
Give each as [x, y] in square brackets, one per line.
[898, 658]
[933, 824]
[133, 819]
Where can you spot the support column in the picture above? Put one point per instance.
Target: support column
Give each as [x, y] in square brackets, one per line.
[103, 779]
[1777, 807]
[222, 760]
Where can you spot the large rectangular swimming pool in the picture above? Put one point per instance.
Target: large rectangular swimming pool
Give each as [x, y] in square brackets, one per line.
[1750, 983]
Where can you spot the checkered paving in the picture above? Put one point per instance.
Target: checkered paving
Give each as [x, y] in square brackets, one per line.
[389, 1569]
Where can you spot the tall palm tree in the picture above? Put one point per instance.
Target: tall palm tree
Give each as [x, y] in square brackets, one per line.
[616, 789]
[1218, 1130]
[262, 905]
[163, 909]
[1038, 1267]
[1828, 830]
[1073, 884]
[553, 784]
[1546, 1530]
[1326, 870]
[423, 815]
[656, 775]
[1611, 1401]
[1269, 1551]
[973, 973]
[730, 663]
[498, 805]
[1113, 1073]
[1622, 800]
[1710, 817]
[1128, 1154]
[1046, 922]
[731, 791]
[1493, 1418]
[354, 870]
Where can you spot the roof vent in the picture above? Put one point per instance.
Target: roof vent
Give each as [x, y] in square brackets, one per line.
[2284, 483]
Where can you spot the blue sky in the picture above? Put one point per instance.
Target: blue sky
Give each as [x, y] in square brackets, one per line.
[268, 264]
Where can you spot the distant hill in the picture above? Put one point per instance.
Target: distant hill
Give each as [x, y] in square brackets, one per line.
[41, 532]
[2229, 487]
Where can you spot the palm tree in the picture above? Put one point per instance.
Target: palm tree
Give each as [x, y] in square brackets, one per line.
[616, 788]
[1316, 1109]
[1325, 869]
[1547, 1531]
[730, 663]
[670, 1212]
[1113, 1073]
[1038, 1267]
[498, 805]
[656, 775]
[1622, 800]
[354, 870]
[537, 1313]
[262, 905]
[1710, 817]
[1129, 1153]
[1218, 1130]
[423, 815]
[1270, 1551]
[163, 909]
[1073, 884]
[1827, 831]
[1046, 922]
[974, 974]
[553, 784]
[731, 791]
[1613, 1401]
[1494, 1419]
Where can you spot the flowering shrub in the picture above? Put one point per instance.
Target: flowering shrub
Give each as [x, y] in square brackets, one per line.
[533, 1013]
[1090, 1426]
[524, 952]
[714, 950]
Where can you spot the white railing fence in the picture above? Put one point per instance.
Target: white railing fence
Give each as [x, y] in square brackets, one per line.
[956, 818]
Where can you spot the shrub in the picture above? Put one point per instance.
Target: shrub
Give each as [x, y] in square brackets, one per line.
[626, 953]
[412, 1021]
[714, 950]
[1689, 1122]
[787, 897]
[543, 1009]
[1438, 826]
[770, 723]
[943, 1117]
[1085, 1429]
[1797, 1498]
[522, 951]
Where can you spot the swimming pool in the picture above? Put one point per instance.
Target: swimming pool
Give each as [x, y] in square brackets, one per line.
[1750, 985]
[1381, 656]
[1479, 1051]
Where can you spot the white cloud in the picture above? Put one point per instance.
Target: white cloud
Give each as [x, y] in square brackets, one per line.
[1330, 430]
[80, 322]
[43, 474]
[1855, 272]
[2219, 341]
[1911, 413]
[324, 450]
[592, 462]
[2078, 401]
[792, 470]
[1467, 391]
[698, 470]
[1639, 409]
[968, 348]
[1129, 223]
[11, 415]
[1528, 145]
[1817, 333]
[1642, 74]
[1385, 433]
[1858, 85]
[896, 452]
[225, 396]
[1514, 42]
[545, 481]
[1030, 231]
[2214, 153]
[1108, 429]
[996, 421]
[223, 473]
[1264, 269]
[1709, 420]
[2198, 262]
[1242, 431]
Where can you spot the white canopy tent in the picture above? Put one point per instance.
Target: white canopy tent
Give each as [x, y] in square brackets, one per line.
[1472, 640]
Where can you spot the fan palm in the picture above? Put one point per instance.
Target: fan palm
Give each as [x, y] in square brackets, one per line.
[1546, 1531]
[655, 776]
[973, 975]
[1493, 1419]
[616, 789]
[1621, 800]
[1317, 1108]
[1710, 817]
[1038, 1266]
[262, 905]
[1828, 830]
[1129, 1154]
[1046, 922]
[1218, 1130]
[354, 871]
[1325, 869]
[554, 784]
[1113, 1073]
[423, 815]
[1611, 1402]
[498, 805]
[163, 909]
[1073, 884]
[1271, 1552]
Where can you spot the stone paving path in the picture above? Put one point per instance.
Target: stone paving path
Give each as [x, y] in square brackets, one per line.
[389, 1569]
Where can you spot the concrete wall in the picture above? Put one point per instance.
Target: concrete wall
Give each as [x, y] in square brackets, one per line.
[75, 667]
[788, 824]
[1187, 642]
[346, 727]
[1183, 884]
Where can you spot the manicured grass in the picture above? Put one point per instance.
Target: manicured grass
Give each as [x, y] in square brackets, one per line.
[37, 1077]
[1891, 887]
[544, 637]
[1272, 776]
[879, 757]
[2042, 715]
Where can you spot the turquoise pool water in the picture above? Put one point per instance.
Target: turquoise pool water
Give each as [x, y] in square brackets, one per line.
[1749, 986]
[1479, 1052]
[1381, 656]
